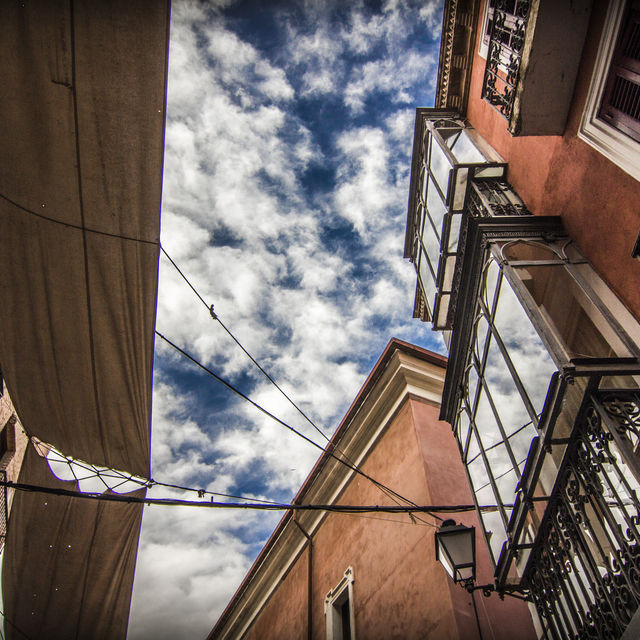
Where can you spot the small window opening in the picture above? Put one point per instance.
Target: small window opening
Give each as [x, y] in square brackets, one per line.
[338, 608]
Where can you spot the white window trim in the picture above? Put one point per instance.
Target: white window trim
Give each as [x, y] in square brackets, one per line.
[483, 49]
[621, 149]
[333, 598]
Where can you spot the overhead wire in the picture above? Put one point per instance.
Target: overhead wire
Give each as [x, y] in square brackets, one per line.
[174, 502]
[56, 457]
[388, 491]
[215, 316]
[345, 459]
[231, 387]
[79, 227]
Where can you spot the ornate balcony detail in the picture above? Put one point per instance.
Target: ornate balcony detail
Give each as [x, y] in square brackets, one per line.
[488, 198]
[584, 569]
[506, 45]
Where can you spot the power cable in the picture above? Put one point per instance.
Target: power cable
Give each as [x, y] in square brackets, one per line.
[210, 308]
[215, 316]
[55, 456]
[284, 424]
[386, 490]
[173, 502]
[79, 227]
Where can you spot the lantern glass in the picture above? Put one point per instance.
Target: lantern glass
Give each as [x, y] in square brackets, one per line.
[455, 549]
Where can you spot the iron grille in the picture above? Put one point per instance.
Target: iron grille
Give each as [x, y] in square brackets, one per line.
[506, 44]
[584, 569]
[489, 198]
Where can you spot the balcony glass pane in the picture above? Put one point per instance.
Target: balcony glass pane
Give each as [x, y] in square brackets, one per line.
[491, 273]
[490, 172]
[472, 386]
[454, 232]
[440, 167]
[495, 528]
[436, 210]
[504, 391]
[525, 348]
[462, 430]
[464, 150]
[582, 329]
[486, 422]
[479, 477]
[460, 188]
[482, 328]
[443, 309]
[427, 280]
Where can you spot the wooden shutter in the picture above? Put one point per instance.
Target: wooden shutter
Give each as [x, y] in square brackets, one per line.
[621, 100]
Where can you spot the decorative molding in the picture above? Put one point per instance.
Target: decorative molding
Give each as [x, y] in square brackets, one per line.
[459, 23]
[335, 599]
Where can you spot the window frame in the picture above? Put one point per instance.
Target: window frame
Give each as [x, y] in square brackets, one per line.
[615, 145]
[333, 602]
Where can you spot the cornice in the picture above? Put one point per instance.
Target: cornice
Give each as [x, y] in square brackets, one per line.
[399, 375]
[457, 46]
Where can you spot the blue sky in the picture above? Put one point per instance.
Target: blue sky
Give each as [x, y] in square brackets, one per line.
[287, 157]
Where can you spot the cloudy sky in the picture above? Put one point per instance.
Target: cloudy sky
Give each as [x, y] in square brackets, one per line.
[286, 177]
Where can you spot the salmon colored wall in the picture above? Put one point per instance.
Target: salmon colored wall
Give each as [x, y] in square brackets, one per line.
[285, 616]
[400, 591]
[562, 175]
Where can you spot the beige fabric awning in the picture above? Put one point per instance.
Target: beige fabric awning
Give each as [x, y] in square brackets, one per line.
[69, 563]
[81, 150]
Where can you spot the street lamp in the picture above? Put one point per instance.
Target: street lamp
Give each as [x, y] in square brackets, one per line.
[456, 551]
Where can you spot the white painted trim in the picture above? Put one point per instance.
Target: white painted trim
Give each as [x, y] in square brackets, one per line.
[483, 47]
[336, 596]
[621, 149]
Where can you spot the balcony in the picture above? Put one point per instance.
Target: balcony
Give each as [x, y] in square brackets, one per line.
[583, 568]
[529, 335]
[454, 174]
[533, 60]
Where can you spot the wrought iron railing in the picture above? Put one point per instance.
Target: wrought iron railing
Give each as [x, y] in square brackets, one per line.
[506, 44]
[584, 569]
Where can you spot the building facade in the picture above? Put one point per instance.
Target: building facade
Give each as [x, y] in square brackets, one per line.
[523, 224]
[13, 443]
[335, 575]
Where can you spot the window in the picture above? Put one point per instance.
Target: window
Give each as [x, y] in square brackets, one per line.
[338, 609]
[8, 441]
[512, 10]
[504, 34]
[611, 119]
[620, 105]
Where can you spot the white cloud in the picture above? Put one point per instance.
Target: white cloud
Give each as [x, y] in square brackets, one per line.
[363, 193]
[239, 221]
[391, 76]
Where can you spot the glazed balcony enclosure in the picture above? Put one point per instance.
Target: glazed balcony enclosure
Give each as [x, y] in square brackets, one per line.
[542, 383]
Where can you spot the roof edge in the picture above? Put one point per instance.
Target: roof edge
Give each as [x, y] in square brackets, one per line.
[394, 346]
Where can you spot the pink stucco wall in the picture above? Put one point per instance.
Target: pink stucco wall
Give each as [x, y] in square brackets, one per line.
[562, 175]
[400, 591]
